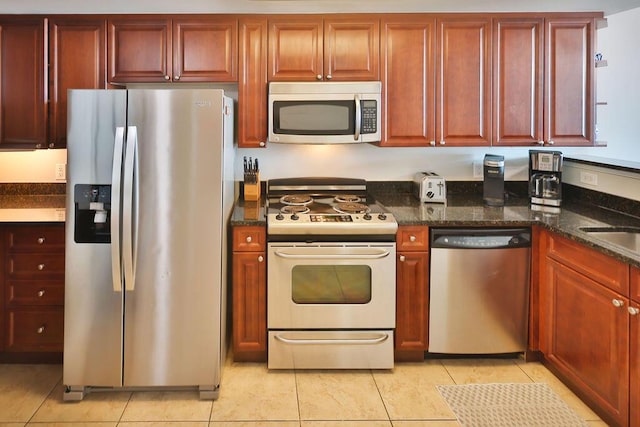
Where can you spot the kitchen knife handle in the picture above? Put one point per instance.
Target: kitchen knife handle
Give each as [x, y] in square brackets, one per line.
[116, 176]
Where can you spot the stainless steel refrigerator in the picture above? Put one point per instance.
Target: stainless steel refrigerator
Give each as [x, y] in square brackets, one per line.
[150, 189]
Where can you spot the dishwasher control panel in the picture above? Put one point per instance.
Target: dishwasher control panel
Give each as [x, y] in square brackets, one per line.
[480, 239]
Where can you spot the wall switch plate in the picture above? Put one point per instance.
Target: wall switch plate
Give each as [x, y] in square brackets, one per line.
[589, 178]
[61, 171]
[478, 170]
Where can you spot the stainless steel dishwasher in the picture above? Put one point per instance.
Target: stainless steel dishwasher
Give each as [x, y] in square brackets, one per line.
[479, 290]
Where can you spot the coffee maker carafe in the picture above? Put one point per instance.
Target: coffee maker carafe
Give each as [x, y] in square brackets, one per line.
[545, 178]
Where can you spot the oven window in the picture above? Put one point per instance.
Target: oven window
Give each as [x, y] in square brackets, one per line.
[331, 284]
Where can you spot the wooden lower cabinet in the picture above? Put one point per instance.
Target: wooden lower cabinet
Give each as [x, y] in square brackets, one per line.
[584, 330]
[412, 293]
[249, 289]
[634, 342]
[32, 279]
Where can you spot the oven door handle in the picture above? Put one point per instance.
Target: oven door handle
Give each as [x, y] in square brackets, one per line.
[371, 255]
[333, 341]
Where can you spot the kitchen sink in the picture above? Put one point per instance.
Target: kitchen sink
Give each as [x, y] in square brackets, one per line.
[625, 237]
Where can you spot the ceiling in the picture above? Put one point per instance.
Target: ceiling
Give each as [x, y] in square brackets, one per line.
[312, 6]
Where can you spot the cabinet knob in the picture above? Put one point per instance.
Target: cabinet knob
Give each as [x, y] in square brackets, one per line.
[412, 238]
[176, 78]
[260, 258]
[634, 311]
[617, 302]
[40, 330]
[248, 239]
[167, 78]
[402, 258]
[551, 142]
[442, 142]
[329, 76]
[41, 293]
[262, 144]
[541, 143]
[52, 145]
[40, 267]
[40, 240]
[432, 143]
[319, 77]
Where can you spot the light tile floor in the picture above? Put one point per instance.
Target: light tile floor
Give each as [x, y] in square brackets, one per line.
[252, 396]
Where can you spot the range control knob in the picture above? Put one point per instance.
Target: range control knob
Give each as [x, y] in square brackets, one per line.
[295, 217]
[382, 216]
[366, 216]
[279, 217]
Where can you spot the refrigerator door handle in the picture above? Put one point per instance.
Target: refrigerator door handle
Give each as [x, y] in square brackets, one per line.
[129, 210]
[116, 181]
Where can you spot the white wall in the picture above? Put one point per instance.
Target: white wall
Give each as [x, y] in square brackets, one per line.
[618, 122]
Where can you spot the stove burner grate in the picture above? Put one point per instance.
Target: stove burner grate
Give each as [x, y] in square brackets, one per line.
[296, 199]
[351, 208]
[344, 198]
[294, 209]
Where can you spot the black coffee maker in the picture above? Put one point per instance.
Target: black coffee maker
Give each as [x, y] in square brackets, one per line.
[545, 178]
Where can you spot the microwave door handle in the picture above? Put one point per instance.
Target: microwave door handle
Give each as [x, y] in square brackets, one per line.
[356, 135]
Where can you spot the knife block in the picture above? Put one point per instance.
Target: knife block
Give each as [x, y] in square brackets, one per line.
[252, 190]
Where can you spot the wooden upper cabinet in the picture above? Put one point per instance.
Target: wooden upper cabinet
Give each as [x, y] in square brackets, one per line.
[252, 84]
[310, 48]
[77, 54]
[570, 86]
[139, 50]
[463, 80]
[408, 80]
[518, 71]
[205, 49]
[352, 48]
[23, 88]
[295, 48]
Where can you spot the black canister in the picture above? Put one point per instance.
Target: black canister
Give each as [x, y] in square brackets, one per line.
[493, 187]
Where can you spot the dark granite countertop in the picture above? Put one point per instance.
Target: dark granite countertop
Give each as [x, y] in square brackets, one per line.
[32, 203]
[466, 209]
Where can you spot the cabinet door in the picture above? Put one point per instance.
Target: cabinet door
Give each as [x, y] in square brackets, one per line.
[351, 48]
[463, 76]
[412, 305]
[569, 103]
[77, 52]
[23, 94]
[517, 81]
[634, 313]
[2, 286]
[139, 50]
[408, 82]
[585, 335]
[249, 306]
[205, 49]
[252, 83]
[295, 48]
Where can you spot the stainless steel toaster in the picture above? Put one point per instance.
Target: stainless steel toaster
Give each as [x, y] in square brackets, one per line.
[429, 187]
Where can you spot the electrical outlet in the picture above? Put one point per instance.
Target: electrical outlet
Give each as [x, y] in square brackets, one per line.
[589, 178]
[61, 171]
[477, 170]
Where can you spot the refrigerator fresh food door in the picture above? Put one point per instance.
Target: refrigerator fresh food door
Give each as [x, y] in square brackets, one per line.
[172, 313]
[93, 308]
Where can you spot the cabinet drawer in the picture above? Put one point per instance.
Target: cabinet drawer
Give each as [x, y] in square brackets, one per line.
[36, 238]
[412, 238]
[35, 292]
[35, 330]
[249, 239]
[598, 266]
[35, 266]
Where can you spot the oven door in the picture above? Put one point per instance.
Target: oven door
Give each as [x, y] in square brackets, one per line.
[333, 286]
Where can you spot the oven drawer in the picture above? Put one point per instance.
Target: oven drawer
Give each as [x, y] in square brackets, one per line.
[331, 349]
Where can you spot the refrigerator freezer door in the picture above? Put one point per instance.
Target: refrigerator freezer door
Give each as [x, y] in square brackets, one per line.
[172, 329]
[93, 310]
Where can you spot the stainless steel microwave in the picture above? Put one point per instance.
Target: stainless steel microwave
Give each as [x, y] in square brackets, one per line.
[324, 112]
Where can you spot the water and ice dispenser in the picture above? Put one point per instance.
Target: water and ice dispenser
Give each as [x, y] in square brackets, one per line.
[92, 213]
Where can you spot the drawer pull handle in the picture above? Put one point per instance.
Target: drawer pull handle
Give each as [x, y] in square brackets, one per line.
[248, 239]
[40, 240]
[41, 293]
[40, 267]
[617, 302]
[40, 330]
[634, 311]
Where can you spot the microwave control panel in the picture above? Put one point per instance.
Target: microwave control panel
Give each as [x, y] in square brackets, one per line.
[369, 116]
